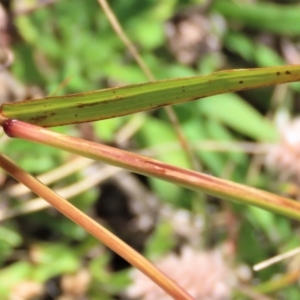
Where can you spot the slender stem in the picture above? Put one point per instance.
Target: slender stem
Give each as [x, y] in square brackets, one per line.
[135, 54]
[54, 175]
[150, 167]
[124, 38]
[276, 259]
[278, 283]
[69, 191]
[95, 229]
[60, 86]
[185, 145]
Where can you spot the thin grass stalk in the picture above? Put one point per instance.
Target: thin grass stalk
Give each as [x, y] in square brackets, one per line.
[69, 191]
[278, 283]
[150, 167]
[275, 259]
[54, 175]
[144, 67]
[98, 231]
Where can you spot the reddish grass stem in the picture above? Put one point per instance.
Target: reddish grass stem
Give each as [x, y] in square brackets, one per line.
[95, 229]
[150, 167]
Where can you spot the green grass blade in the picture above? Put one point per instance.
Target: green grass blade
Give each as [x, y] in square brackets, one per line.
[247, 120]
[262, 16]
[109, 103]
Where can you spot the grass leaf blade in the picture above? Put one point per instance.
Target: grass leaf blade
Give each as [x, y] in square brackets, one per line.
[114, 102]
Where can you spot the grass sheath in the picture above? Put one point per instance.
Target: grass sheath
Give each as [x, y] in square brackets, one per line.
[95, 229]
[150, 167]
